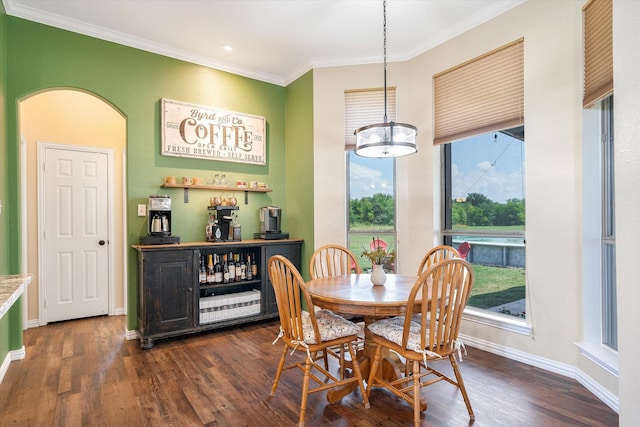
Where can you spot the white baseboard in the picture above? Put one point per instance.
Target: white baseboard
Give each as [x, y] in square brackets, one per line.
[5, 366]
[130, 335]
[600, 392]
[18, 354]
[11, 356]
[606, 396]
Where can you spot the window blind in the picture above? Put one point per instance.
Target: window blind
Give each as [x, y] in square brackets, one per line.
[481, 95]
[598, 51]
[366, 107]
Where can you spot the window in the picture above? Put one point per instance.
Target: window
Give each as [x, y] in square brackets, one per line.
[484, 205]
[600, 340]
[371, 182]
[479, 104]
[600, 329]
[371, 204]
[609, 306]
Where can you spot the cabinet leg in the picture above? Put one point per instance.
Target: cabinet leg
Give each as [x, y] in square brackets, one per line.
[146, 343]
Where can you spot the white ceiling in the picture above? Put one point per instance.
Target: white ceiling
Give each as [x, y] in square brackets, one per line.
[274, 40]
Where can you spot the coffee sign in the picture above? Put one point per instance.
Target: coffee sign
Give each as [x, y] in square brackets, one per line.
[200, 132]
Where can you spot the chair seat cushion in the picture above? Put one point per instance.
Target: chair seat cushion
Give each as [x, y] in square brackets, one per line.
[330, 325]
[391, 329]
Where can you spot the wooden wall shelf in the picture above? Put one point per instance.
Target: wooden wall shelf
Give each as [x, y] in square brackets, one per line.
[216, 188]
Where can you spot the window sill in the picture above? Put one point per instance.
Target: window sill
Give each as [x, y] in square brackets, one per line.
[602, 356]
[496, 320]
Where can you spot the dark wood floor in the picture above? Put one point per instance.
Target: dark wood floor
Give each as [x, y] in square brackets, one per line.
[84, 373]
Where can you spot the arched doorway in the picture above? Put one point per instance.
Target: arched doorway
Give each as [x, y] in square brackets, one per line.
[70, 118]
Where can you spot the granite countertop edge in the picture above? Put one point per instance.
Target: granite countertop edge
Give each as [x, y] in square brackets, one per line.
[11, 287]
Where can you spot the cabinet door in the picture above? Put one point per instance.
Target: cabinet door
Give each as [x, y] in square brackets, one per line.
[292, 253]
[170, 295]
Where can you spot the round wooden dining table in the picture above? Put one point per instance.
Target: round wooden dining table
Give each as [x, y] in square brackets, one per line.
[355, 294]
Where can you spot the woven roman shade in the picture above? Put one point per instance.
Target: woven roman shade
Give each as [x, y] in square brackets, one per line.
[482, 95]
[598, 51]
[365, 107]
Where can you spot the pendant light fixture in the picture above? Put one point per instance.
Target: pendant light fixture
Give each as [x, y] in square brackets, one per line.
[388, 139]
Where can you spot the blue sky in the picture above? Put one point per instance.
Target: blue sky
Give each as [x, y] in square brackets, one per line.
[490, 164]
[370, 176]
[493, 166]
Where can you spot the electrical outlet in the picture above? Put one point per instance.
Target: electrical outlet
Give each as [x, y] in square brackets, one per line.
[142, 210]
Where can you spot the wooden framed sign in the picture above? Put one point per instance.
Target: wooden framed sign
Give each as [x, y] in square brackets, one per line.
[201, 132]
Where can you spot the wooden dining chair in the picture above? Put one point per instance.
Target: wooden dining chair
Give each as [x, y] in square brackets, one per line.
[435, 255]
[309, 332]
[335, 260]
[439, 295]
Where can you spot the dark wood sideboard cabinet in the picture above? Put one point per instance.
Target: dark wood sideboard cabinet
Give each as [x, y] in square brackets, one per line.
[172, 302]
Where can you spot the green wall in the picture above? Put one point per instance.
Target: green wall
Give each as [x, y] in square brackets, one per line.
[41, 57]
[8, 332]
[299, 155]
[4, 177]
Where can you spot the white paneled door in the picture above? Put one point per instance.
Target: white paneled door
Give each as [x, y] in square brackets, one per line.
[74, 216]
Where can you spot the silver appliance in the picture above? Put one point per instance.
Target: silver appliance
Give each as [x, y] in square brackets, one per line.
[270, 221]
[159, 215]
[159, 221]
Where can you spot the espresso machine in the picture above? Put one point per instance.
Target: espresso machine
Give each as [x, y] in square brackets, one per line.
[270, 220]
[159, 221]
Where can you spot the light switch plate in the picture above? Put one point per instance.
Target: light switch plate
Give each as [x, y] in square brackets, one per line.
[142, 210]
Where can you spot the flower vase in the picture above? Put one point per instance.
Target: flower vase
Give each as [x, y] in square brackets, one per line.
[378, 276]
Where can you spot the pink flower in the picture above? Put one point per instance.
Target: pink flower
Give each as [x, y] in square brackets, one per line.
[378, 243]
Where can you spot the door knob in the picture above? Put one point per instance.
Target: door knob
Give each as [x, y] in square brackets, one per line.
[101, 242]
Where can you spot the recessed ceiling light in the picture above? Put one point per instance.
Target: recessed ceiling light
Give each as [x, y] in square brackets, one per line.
[227, 47]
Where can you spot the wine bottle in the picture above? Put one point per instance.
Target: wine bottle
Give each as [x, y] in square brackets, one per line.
[225, 269]
[254, 268]
[232, 268]
[238, 267]
[210, 271]
[203, 271]
[243, 269]
[218, 270]
[249, 272]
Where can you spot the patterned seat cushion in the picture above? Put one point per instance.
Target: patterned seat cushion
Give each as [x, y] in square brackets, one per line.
[330, 325]
[391, 329]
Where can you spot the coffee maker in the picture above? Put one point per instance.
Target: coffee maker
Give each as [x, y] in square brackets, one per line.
[159, 221]
[270, 220]
[219, 227]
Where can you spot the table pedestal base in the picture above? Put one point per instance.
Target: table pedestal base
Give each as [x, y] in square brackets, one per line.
[389, 368]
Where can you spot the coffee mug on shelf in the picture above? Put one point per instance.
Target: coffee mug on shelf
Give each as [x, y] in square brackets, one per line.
[170, 179]
[186, 180]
